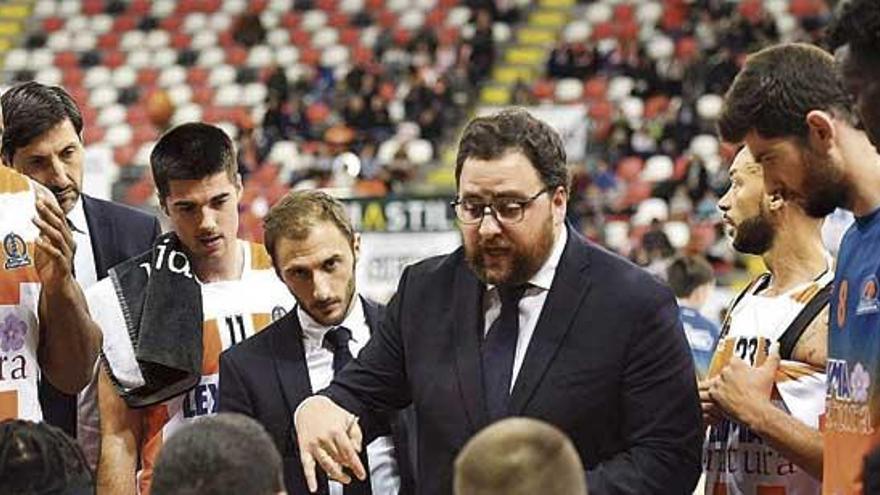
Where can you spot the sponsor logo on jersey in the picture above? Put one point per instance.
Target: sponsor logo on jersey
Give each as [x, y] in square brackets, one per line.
[16, 251]
[868, 302]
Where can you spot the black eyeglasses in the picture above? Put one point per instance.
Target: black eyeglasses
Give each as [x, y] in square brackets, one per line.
[505, 210]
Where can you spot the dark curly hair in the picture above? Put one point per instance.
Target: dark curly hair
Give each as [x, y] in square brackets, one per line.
[38, 459]
[857, 24]
[515, 129]
[776, 90]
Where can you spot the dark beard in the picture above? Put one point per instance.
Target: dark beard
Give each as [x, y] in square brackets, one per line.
[525, 264]
[825, 187]
[754, 235]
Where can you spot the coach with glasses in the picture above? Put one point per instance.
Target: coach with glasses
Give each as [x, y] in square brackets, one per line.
[526, 319]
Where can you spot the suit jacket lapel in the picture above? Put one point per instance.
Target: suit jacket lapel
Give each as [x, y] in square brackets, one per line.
[290, 361]
[570, 284]
[466, 319]
[99, 233]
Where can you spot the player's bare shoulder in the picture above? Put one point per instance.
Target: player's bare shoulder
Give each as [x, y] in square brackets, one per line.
[812, 348]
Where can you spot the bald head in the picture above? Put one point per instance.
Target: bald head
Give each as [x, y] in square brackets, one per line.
[519, 456]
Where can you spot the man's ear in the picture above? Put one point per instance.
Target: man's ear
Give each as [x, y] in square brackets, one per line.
[821, 130]
[356, 246]
[775, 201]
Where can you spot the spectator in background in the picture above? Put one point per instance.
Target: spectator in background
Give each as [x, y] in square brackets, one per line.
[249, 31]
[482, 47]
[656, 243]
[226, 454]
[38, 459]
[692, 281]
[519, 456]
[855, 35]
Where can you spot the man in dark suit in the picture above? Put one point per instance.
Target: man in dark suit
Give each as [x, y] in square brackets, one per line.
[527, 319]
[43, 140]
[314, 249]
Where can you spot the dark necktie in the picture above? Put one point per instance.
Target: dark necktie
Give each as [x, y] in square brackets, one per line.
[498, 351]
[336, 340]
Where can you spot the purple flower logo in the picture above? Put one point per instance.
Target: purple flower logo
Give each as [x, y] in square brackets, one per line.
[12, 333]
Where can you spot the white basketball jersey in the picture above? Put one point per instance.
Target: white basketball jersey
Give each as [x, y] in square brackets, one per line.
[19, 299]
[735, 459]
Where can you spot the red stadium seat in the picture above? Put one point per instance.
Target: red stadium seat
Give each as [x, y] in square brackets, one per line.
[139, 7]
[72, 76]
[108, 41]
[92, 7]
[624, 12]
[52, 24]
[543, 89]
[327, 5]
[65, 60]
[125, 23]
[290, 20]
[337, 20]
[300, 38]
[114, 58]
[236, 55]
[172, 23]
[436, 18]
[148, 77]
[309, 56]
[603, 30]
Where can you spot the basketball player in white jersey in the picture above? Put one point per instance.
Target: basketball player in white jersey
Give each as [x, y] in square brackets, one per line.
[233, 282]
[37, 294]
[763, 410]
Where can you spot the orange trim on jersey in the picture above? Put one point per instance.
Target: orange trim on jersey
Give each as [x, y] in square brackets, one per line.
[11, 280]
[719, 489]
[8, 404]
[211, 348]
[155, 419]
[807, 294]
[260, 259]
[261, 321]
[12, 182]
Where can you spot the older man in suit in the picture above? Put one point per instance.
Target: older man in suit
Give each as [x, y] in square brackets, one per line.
[314, 250]
[527, 319]
[43, 140]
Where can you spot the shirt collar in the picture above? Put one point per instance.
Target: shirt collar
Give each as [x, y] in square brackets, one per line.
[314, 332]
[77, 217]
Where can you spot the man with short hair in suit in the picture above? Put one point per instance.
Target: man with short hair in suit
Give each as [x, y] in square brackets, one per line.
[527, 319]
[43, 140]
[314, 250]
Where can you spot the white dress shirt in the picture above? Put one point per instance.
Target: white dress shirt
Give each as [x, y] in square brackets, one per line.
[83, 257]
[384, 474]
[530, 305]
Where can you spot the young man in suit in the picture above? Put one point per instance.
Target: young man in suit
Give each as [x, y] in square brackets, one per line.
[314, 250]
[527, 319]
[43, 140]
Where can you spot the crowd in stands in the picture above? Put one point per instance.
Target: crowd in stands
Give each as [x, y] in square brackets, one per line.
[370, 116]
